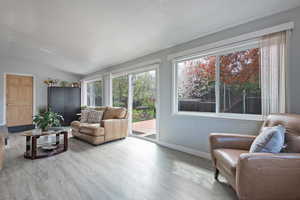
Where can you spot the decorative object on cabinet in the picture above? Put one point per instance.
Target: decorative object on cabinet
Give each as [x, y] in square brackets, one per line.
[76, 84]
[51, 82]
[64, 84]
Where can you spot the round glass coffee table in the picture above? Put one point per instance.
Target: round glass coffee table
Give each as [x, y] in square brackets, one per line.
[35, 151]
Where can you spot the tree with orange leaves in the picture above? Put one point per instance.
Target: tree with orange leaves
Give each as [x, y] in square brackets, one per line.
[239, 70]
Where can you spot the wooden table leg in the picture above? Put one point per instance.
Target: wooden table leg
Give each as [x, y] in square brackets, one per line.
[27, 152]
[57, 139]
[65, 141]
[33, 148]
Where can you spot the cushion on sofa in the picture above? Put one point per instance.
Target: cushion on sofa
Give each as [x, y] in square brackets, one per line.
[92, 129]
[100, 108]
[270, 140]
[84, 115]
[95, 116]
[114, 113]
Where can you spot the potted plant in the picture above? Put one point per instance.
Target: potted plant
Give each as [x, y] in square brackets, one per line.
[47, 119]
[83, 107]
[50, 82]
[64, 84]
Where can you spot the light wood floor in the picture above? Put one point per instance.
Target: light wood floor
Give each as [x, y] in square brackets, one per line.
[124, 169]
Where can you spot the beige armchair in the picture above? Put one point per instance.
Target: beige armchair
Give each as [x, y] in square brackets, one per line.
[262, 176]
[113, 126]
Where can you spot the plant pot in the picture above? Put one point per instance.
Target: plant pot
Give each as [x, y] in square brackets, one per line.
[44, 129]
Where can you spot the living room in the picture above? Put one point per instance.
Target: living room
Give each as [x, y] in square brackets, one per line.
[149, 100]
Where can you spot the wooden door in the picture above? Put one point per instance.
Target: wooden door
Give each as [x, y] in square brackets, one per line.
[19, 100]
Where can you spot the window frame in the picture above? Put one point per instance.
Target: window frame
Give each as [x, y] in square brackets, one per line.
[254, 43]
[84, 89]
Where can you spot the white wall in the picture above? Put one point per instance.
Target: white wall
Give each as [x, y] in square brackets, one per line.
[41, 73]
[192, 131]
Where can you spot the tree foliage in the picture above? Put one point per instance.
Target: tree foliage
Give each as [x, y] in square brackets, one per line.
[120, 91]
[241, 68]
[198, 77]
[143, 94]
[238, 69]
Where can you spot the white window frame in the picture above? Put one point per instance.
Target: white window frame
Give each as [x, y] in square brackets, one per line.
[254, 43]
[84, 90]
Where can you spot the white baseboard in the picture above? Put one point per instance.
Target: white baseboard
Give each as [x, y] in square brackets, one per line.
[186, 150]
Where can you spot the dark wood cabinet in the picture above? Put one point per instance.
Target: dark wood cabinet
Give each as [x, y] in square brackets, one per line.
[66, 101]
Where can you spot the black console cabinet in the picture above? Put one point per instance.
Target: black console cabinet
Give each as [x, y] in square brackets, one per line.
[65, 101]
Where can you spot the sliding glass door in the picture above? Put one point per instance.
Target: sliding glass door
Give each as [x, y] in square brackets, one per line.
[137, 92]
[144, 104]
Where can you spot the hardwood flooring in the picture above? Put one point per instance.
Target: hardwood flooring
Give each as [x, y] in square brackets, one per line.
[130, 169]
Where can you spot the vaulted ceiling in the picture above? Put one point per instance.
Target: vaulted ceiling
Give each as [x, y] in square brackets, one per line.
[82, 36]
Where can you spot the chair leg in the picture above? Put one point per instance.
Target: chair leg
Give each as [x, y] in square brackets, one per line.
[216, 174]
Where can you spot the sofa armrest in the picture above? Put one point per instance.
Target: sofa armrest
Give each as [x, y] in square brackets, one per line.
[230, 141]
[115, 128]
[268, 176]
[75, 125]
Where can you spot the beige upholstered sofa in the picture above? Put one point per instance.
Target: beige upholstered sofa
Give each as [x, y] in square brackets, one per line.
[114, 125]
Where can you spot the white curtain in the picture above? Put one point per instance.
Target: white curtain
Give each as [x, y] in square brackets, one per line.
[273, 72]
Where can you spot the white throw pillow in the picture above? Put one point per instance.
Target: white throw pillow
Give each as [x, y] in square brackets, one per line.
[95, 116]
[270, 140]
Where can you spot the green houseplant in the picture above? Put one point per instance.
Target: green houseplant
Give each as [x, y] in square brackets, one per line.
[47, 119]
[64, 84]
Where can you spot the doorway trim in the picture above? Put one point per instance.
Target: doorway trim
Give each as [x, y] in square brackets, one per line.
[4, 93]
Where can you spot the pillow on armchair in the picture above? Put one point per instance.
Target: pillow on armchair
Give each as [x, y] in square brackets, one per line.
[270, 140]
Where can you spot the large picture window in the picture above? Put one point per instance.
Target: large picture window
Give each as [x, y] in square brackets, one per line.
[196, 84]
[226, 81]
[94, 93]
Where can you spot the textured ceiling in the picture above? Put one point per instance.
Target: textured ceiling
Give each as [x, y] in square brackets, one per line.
[85, 36]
